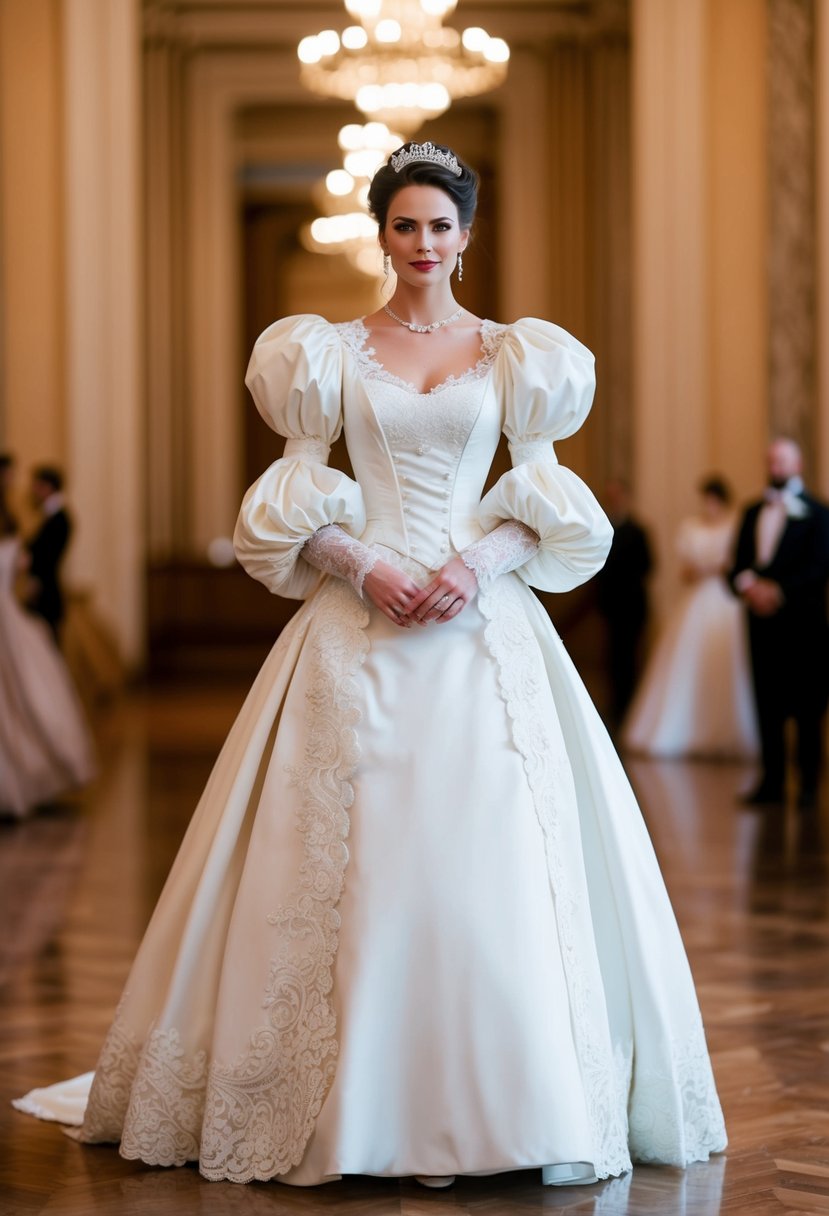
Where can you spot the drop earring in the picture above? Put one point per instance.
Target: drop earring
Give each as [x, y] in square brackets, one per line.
[386, 264]
[460, 267]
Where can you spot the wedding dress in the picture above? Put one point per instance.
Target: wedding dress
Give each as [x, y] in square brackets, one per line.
[695, 696]
[45, 747]
[416, 925]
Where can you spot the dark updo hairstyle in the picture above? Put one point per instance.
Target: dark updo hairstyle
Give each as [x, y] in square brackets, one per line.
[463, 189]
[716, 487]
[49, 474]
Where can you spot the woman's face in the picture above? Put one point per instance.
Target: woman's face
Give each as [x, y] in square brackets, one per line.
[712, 506]
[423, 236]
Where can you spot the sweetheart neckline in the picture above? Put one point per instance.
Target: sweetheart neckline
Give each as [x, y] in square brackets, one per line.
[367, 357]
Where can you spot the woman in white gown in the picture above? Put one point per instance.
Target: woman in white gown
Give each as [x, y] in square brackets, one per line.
[416, 926]
[45, 747]
[695, 697]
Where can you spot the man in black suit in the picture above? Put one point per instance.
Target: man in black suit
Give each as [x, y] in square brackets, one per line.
[781, 569]
[622, 597]
[48, 545]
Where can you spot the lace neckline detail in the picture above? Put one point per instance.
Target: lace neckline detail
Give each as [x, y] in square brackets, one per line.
[355, 335]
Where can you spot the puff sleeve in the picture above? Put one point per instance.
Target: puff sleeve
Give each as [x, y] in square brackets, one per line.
[295, 378]
[546, 381]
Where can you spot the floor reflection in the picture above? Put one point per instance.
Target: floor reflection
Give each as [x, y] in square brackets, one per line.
[750, 891]
[40, 859]
[696, 1191]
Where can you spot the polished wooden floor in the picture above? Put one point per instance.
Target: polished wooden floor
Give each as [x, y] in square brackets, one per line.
[77, 885]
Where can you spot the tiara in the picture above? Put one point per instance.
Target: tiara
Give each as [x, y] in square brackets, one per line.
[427, 152]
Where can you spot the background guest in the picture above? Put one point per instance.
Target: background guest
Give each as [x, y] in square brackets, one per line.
[45, 747]
[780, 573]
[695, 696]
[48, 546]
[621, 596]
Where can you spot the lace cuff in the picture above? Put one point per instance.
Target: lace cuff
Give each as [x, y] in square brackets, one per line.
[316, 450]
[333, 551]
[505, 548]
[527, 451]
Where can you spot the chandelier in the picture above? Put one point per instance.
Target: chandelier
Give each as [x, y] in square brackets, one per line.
[345, 227]
[400, 65]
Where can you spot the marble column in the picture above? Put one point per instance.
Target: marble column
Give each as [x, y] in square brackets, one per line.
[31, 253]
[700, 287]
[821, 469]
[103, 308]
[670, 349]
[792, 221]
[611, 426]
[167, 464]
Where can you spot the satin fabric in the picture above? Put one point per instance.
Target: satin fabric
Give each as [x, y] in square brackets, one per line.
[416, 925]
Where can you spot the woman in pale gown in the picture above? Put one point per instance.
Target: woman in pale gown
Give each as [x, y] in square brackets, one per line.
[45, 746]
[416, 926]
[695, 696]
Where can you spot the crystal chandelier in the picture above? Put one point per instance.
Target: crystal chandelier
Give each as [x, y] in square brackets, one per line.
[400, 65]
[345, 227]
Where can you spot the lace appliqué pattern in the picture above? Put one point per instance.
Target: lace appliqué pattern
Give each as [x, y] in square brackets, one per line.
[333, 551]
[521, 671]
[252, 1119]
[671, 1117]
[109, 1096]
[310, 448]
[261, 1110]
[529, 450]
[675, 1115]
[163, 1123]
[355, 335]
[441, 419]
[505, 548]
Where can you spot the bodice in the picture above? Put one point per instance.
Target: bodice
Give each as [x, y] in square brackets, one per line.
[421, 459]
[705, 547]
[9, 550]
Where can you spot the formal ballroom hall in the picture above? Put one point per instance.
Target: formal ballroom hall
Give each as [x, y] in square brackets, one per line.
[174, 177]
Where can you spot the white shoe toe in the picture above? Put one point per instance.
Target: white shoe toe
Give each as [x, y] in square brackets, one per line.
[569, 1173]
[435, 1181]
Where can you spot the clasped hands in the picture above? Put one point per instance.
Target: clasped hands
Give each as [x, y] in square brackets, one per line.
[763, 597]
[400, 599]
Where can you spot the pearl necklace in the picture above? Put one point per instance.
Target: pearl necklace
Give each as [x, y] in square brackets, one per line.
[422, 329]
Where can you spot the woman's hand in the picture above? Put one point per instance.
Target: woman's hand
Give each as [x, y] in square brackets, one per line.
[392, 591]
[449, 592]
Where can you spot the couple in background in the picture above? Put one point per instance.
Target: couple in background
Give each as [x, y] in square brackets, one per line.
[45, 748]
[694, 697]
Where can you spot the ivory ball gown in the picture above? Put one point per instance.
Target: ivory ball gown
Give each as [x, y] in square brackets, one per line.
[45, 746]
[695, 697]
[416, 925]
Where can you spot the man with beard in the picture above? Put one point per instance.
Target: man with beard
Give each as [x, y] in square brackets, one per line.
[780, 573]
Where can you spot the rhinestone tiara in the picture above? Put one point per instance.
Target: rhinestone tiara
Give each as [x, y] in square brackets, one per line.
[427, 152]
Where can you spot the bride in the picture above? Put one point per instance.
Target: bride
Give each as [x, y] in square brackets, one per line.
[416, 926]
[695, 698]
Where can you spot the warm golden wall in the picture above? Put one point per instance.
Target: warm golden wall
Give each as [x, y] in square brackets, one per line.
[32, 367]
[700, 289]
[630, 173]
[71, 296]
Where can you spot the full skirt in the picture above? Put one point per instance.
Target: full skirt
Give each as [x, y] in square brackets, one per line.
[695, 697]
[45, 745]
[416, 926]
